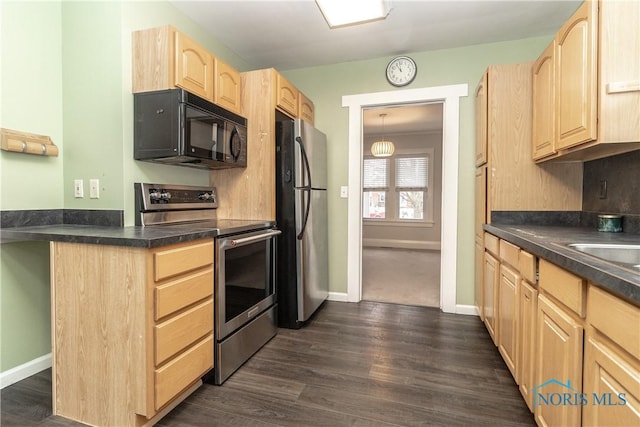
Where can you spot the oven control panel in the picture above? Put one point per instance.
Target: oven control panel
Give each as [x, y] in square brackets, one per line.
[150, 197]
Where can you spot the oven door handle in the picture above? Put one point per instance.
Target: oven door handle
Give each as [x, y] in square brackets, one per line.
[262, 236]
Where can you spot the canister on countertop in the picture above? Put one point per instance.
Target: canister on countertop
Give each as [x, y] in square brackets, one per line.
[610, 223]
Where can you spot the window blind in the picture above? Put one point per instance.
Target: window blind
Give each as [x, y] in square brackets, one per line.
[412, 173]
[375, 174]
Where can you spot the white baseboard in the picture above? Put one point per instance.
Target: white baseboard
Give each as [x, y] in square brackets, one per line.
[401, 244]
[466, 309]
[338, 296]
[25, 370]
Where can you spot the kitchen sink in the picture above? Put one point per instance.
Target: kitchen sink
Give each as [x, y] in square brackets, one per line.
[628, 255]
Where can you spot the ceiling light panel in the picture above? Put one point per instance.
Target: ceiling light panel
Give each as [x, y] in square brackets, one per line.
[339, 13]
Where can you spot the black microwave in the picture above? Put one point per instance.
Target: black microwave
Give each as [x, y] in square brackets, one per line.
[176, 127]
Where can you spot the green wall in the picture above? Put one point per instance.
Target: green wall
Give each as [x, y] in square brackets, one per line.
[66, 73]
[31, 101]
[326, 85]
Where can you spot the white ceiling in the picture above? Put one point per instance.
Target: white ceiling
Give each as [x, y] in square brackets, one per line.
[403, 119]
[290, 34]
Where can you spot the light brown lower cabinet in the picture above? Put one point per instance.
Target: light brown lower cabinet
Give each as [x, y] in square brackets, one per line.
[611, 385]
[508, 317]
[611, 361]
[528, 306]
[559, 365]
[478, 291]
[573, 347]
[491, 279]
[132, 329]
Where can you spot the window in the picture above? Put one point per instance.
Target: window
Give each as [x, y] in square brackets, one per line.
[396, 189]
[375, 187]
[411, 185]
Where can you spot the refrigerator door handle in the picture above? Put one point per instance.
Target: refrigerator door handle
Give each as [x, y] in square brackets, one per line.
[305, 192]
[305, 163]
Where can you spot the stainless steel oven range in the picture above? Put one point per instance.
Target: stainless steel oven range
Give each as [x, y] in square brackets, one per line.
[244, 280]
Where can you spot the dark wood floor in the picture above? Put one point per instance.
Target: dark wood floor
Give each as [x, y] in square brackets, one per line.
[366, 364]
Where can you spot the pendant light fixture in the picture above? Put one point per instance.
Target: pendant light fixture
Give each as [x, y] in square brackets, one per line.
[382, 148]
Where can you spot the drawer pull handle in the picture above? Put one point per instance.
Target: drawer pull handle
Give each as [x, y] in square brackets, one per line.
[621, 87]
[253, 312]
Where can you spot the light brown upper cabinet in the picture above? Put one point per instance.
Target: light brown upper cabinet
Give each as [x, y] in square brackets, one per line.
[544, 103]
[595, 88]
[481, 120]
[250, 192]
[287, 96]
[165, 58]
[290, 100]
[514, 181]
[193, 66]
[306, 108]
[228, 87]
[576, 77]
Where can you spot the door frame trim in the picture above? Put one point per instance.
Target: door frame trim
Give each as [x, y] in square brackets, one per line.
[450, 97]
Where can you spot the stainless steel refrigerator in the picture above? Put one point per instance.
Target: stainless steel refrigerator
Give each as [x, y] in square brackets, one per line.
[301, 213]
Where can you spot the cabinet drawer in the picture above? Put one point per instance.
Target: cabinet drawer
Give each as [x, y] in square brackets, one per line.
[566, 287]
[617, 319]
[527, 266]
[509, 253]
[183, 371]
[183, 330]
[181, 258]
[177, 294]
[491, 243]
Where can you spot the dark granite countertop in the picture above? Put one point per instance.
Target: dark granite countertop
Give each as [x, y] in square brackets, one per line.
[144, 237]
[550, 243]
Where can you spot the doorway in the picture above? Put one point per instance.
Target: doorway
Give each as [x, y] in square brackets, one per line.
[450, 97]
[401, 204]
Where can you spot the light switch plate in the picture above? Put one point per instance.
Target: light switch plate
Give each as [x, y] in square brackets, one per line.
[344, 192]
[78, 188]
[94, 188]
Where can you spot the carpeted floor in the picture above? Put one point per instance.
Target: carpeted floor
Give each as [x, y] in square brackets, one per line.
[401, 276]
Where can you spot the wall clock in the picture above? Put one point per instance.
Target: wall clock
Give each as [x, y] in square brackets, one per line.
[401, 71]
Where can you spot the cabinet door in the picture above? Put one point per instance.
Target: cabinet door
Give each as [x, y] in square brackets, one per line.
[478, 288]
[491, 277]
[481, 200]
[507, 317]
[559, 365]
[228, 87]
[286, 96]
[614, 381]
[543, 103]
[306, 109]
[481, 121]
[527, 340]
[619, 72]
[576, 77]
[193, 67]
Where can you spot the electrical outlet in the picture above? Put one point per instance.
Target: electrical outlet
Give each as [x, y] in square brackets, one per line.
[78, 188]
[344, 192]
[603, 188]
[94, 188]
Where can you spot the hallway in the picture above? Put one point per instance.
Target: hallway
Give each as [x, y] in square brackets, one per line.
[401, 276]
